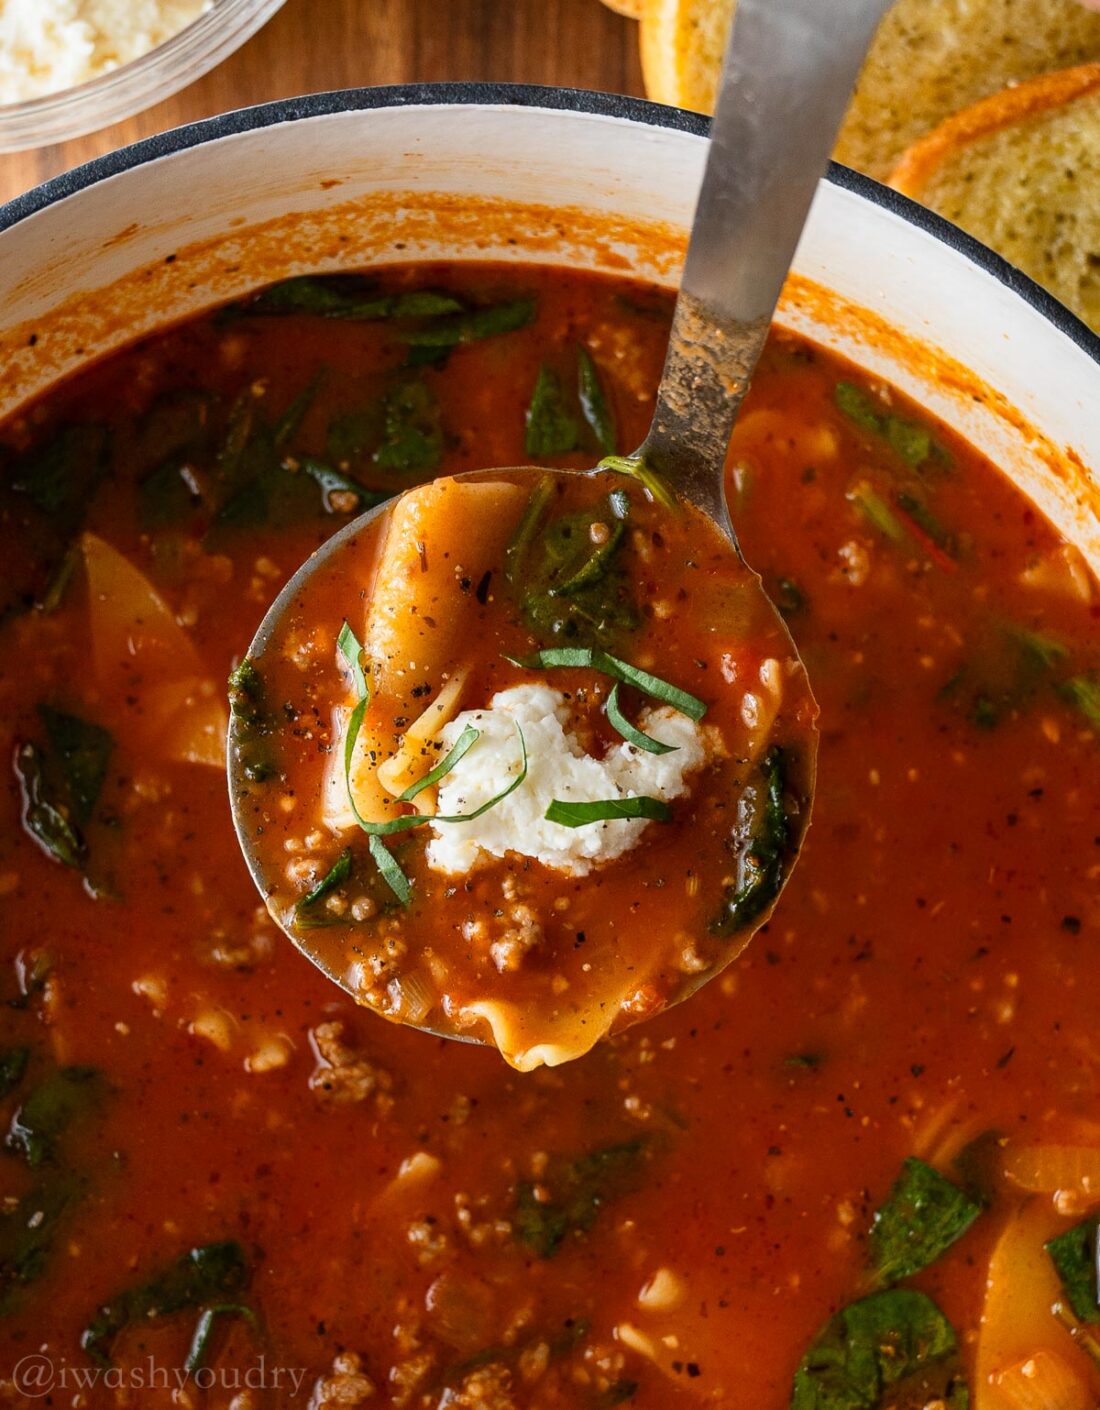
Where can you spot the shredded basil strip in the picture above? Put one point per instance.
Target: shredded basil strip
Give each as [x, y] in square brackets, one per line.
[527, 528]
[636, 467]
[331, 481]
[631, 733]
[351, 649]
[338, 873]
[594, 404]
[390, 870]
[465, 742]
[584, 657]
[607, 810]
[876, 511]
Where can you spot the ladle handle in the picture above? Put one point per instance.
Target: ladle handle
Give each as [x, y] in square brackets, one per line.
[787, 78]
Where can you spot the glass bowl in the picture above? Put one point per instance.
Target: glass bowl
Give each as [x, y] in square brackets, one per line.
[164, 70]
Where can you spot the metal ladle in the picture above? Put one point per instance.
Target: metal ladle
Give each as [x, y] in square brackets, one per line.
[787, 77]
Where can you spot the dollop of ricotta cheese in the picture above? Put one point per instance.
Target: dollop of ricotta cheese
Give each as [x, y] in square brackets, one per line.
[558, 766]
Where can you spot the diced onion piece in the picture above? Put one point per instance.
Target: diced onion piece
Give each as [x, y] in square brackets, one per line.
[667, 1351]
[419, 1166]
[664, 1291]
[1044, 1381]
[1048, 1169]
[411, 997]
[760, 707]
[638, 1341]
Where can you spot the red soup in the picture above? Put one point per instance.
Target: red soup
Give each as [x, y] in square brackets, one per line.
[859, 1169]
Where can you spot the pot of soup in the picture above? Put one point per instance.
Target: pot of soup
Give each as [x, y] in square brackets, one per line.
[859, 1168]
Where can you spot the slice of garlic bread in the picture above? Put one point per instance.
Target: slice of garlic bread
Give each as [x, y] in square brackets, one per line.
[933, 57]
[1021, 172]
[930, 58]
[682, 43]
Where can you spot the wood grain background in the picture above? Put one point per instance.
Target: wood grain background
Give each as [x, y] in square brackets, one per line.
[313, 45]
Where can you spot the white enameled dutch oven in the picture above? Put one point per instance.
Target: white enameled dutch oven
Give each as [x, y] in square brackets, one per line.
[165, 228]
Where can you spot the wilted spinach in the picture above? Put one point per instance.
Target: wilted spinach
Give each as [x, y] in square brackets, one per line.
[65, 1095]
[892, 1348]
[923, 1216]
[208, 1274]
[61, 783]
[761, 843]
[579, 1187]
[1074, 1255]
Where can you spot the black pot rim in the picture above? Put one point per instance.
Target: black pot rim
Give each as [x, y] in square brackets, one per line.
[614, 105]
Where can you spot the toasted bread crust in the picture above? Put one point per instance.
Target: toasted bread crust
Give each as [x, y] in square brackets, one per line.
[1005, 109]
[632, 9]
[682, 45]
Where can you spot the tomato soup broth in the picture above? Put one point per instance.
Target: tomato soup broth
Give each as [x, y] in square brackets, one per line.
[860, 1168]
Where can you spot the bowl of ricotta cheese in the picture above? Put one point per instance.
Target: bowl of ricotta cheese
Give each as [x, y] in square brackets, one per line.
[71, 66]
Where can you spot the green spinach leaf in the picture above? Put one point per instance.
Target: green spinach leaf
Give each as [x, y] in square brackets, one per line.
[80, 751]
[567, 573]
[923, 1216]
[920, 515]
[761, 844]
[208, 1274]
[61, 476]
[473, 325]
[202, 1336]
[43, 818]
[1074, 1255]
[290, 423]
[247, 705]
[871, 1351]
[551, 429]
[515, 557]
[594, 403]
[39, 1124]
[60, 785]
[352, 437]
[876, 511]
[167, 495]
[1084, 693]
[578, 1189]
[412, 438]
[348, 297]
[29, 1231]
[789, 597]
[912, 442]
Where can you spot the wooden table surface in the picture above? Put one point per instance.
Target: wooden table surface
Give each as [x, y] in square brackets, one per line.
[313, 45]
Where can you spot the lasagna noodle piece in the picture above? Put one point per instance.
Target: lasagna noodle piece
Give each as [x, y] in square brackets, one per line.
[442, 541]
